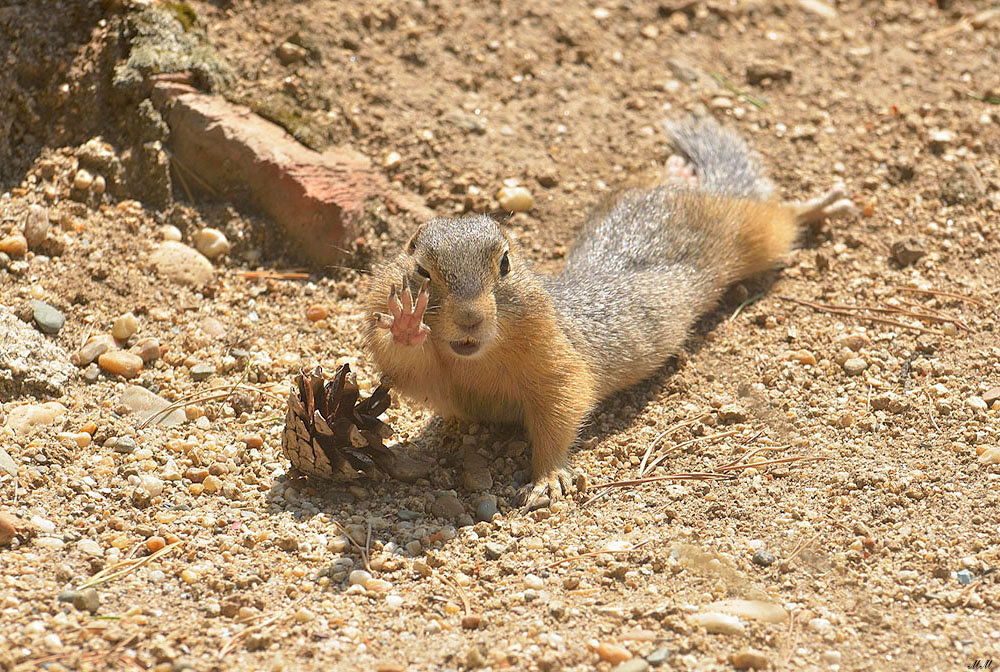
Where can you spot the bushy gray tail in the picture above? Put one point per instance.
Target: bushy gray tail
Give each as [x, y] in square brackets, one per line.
[722, 161]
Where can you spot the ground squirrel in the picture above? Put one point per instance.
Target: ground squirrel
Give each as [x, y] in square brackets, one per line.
[488, 339]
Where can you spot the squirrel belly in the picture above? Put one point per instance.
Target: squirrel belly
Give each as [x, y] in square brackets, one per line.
[487, 338]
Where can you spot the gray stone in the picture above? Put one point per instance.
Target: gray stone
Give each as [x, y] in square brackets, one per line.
[48, 319]
[87, 600]
[182, 264]
[658, 657]
[145, 403]
[486, 507]
[202, 370]
[494, 550]
[125, 445]
[763, 558]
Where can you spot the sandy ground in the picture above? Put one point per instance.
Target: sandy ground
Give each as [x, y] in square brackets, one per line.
[881, 555]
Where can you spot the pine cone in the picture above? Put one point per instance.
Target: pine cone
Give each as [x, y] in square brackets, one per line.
[329, 433]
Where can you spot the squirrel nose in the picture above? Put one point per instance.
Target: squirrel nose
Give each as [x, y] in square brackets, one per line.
[468, 319]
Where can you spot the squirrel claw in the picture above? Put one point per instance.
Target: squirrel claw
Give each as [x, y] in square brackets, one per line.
[405, 319]
[549, 488]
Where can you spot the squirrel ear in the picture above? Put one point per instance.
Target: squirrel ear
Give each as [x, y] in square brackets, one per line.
[411, 245]
[500, 216]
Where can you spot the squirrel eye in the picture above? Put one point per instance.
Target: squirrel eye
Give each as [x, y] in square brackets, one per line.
[423, 271]
[504, 265]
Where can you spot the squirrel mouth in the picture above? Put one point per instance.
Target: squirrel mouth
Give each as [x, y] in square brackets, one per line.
[466, 347]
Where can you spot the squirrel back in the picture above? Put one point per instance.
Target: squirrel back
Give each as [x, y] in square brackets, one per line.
[646, 267]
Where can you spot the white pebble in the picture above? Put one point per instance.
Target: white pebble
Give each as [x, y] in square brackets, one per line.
[819, 624]
[515, 199]
[34, 628]
[532, 581]
[151, 484]
[44, 525]
[52, 642]
[358, 577]
[89, 547]
[394, 601]
[392, 160]
[125, 326]
[976, 403]
[832, 657]
[211, 242]
[50, 543]
[171, 233]
[82, 180]
[719, 623]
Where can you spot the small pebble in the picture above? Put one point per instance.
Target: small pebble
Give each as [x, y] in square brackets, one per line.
[486, 508]
[634, 665]
[43, 525]
[51, 543]
[15, 246]
[393, 601]
[146, 348]
[494, 550]
[392, 160]
[358, 577]
[89, 547]
[315, 313]
[534, 582]
[749, 659]
[722, 624]
[613, 653]
[155, 543]
[100, 185]
[211, 242]
[125, 326]
[83, 180]
[658, 657]
[125, 445]
[93, 348]
[763, 557]
[87, 600]
[447, 506]
[303, 615]
[831, 657]
[472, 621]
[964, 576]
[202, 371]
[48, 319]
[171, 233]
[289, 53]
[120, 363]
[213, 484]
[976, 404]
[36, 226]
[515, 199]
[854, 366]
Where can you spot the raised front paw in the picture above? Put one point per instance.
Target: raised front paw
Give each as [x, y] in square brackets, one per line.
[551, 487]
[405, 319]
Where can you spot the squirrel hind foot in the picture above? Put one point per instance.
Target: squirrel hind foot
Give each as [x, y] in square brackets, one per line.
[680, 172]
[551, 487]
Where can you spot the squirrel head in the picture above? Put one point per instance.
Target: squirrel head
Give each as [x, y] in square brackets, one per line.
[473, 266]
